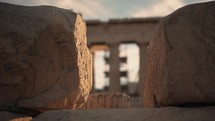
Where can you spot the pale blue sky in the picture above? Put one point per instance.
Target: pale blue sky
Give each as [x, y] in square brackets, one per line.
[106, 9]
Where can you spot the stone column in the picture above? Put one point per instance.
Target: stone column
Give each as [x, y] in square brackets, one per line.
[93, 72]
[143, 49]
[114, 73]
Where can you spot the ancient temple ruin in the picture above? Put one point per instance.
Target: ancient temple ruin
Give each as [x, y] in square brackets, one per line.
[46, 66]
[109, 35]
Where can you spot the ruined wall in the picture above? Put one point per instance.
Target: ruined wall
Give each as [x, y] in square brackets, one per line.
[139, 30]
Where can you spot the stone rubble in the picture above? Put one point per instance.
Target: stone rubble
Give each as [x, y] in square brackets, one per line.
[107, 100]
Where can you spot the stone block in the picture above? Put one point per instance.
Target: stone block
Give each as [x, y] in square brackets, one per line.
[107, 100]
[9, 116]
[180, 63]
[131, 114]
[44, 60]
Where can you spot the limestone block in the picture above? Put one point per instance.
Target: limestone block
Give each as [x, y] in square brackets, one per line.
[44, 59]
[107, 100]
[131, 114]
[180, 63]
[9, 116]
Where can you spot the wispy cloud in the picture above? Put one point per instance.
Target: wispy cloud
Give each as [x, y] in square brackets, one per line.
[106, 9]
[160, 8]
[90, 9]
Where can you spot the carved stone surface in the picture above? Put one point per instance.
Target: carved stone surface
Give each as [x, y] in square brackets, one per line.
[130, 114]
[9, 116]
[107, 100]
[180, 63]
[44, 60]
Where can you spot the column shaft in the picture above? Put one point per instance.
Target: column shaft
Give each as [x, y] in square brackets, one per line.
[114, 73]
[143, 49]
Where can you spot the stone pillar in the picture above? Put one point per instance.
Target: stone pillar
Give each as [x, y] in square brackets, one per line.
[143, 49]
[93, 72]
[114, 73]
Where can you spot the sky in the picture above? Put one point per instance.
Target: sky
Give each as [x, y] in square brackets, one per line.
[108, 9]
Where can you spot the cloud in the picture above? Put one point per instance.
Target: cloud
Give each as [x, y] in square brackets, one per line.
[90, 9]
[106, 9]
[160, 8]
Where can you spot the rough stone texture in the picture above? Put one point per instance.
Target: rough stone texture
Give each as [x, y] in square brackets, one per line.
[8, 116]
[107, 100]
[44, 60]
[180, 63]
[147, 114]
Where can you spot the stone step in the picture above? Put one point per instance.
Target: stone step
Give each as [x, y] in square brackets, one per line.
[107, 100]
[131, 114]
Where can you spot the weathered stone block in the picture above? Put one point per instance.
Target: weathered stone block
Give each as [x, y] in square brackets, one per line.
[131, 114]
[107, 100]
[44, 60]
[180, 63]
[9, 116]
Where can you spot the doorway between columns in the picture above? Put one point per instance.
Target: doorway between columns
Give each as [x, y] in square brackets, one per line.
[128, 67]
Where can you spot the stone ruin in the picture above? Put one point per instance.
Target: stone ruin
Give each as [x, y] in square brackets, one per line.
[180, 63]
[44, 60]
[45, 65]
[107, 100]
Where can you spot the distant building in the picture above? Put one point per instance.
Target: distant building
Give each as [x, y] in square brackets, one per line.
[108, 36]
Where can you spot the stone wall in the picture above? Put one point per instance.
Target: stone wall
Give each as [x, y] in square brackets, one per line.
[107, 100]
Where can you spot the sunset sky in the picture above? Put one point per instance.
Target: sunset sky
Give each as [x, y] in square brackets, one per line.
[106, 9]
